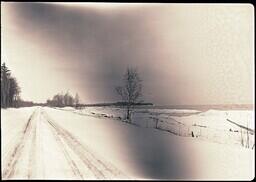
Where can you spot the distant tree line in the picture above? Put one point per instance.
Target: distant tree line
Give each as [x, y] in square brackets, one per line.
[62, 100]
[10, 89]
[121, 104]
[23, 103]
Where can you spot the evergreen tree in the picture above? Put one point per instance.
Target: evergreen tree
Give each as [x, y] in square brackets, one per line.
[5, 76]
[9, 88]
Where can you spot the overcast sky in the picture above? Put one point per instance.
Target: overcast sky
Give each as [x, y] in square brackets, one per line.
[184, 53]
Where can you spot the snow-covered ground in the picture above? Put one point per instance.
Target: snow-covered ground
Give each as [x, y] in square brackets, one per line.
[226, 127]
[94, 143]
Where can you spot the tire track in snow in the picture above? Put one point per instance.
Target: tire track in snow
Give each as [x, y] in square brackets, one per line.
[97, 173]
[41, 148]
[100, 169]
[72, 164]
[32, 153]
[13, 157]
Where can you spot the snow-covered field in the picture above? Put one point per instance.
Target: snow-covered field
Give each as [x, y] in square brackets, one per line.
[94, 143]
[226, 127]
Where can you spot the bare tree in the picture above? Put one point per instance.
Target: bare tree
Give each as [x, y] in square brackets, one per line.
[76, 100]
[58, 100]
[68, 99]
[61, 100]
[130, 91]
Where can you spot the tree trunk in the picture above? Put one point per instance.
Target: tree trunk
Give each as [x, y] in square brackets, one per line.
[128, 114]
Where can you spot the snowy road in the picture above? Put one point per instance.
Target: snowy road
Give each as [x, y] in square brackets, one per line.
[45, 150]
[48, 143]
